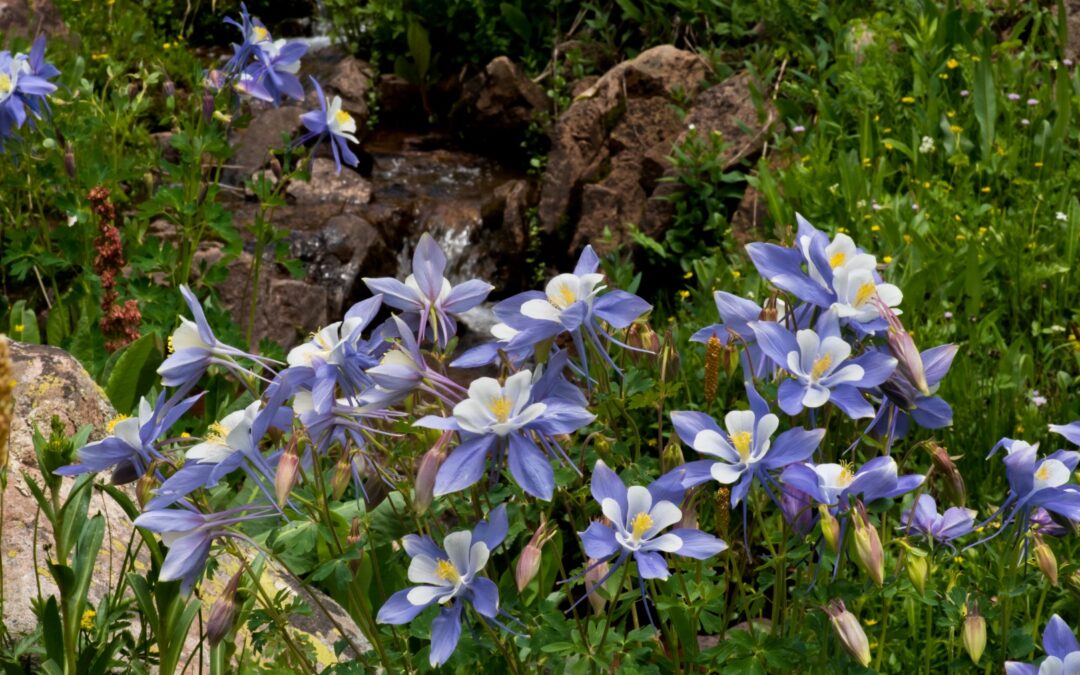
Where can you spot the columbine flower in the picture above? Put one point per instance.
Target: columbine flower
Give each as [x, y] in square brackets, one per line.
[273, 73]
[427, 297]
[256, 37]
[638, 515]
[194, 348]
[330, 121]
[1035, 482]
[1062, 652]
[511, 418]
[131, 447]
[337, 355]
[835, 484]
[858, 294]
[744, 451]
[940, 527]
[737, 314]
[821, 369]
[188, 534]
[449, 576]
[571, 303]
[24, 84]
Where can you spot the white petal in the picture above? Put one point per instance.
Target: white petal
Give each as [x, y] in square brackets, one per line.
[186, 336]
[563, 291]
[638, 500]
[422, 595]
[709, 442]
[613, 512]
[809, 342]
[1051, 473]
[664, 514]
[209, 453]
[668, 543]
[484, 390]
[738, 421]
[849, 373]
[503, 333]
[127, 430]
[517, 389]
[890, 295]
[726, 473]
[457, 546]
[837, 348]
[423, 570]
[815, 396]
[529, 414]
[478, 557]
[540, 309]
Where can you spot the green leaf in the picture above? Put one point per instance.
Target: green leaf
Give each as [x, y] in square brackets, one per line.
[419, 48]
[52, 632]
[985, 99]
[133, 374]
[630, 10]
[57, 326]
[516, 19]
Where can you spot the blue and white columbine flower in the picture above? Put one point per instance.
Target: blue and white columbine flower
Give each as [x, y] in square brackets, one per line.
[132, 445]
[834, 485]
[255, 35]
[638, 517]
[744, 451]
[450, 577]
[507, 417]
[273, 73]
[942, 528]
[1062, 652]
[427, 297]
[821, 370]
[333, 123]
[24, 84]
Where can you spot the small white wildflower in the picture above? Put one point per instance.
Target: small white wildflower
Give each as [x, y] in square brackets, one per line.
[1061, 216]
[927, 145]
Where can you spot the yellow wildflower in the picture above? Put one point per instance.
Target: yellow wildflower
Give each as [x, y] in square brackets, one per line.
[688, 275]
[887, 259]
[888, 145]
[985, 189]
[908, 99]
[87, 622]
[952, 64]
[875, 228]
[1038, 165]
[955, 128]
[684, 294]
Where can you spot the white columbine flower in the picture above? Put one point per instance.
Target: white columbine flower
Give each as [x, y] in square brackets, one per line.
[231, 434]
[643, 520]
[495, 409]
[341, 123]
[855, 291]
[562, 292]
[444, 579]
[750, 440]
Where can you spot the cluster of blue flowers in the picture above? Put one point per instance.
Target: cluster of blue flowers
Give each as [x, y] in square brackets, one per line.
[24, 84]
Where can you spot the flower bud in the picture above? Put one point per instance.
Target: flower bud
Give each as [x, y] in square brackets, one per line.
[769, 311]
[425, 475]
[952, 483]
[286, 474]
[908, 359]
[223, 612]
[644, 340]
[868, 550]
[671, 457]
[850, 631]
[275, 167]
[713, 351]
[208, 106]
[689, 518]
[830, 528]
[974, 633]
[528, 565]
[69, 160]
[669, 358]
[353, 539]
[1073, 582]
[169, 88]
[1046, 559]
[144, 488]
[342, 476]
[132, 90]
[595, 573]
[918, 569]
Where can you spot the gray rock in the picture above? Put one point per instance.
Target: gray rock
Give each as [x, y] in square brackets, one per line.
[254, 143]
[327, 185]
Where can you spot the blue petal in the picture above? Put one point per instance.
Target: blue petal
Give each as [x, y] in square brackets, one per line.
[588, 262]
[1058, 638]
[464, 466]
[398, 610]
[620, 308]
[445, 633]
[1070, 431]
[851, 401]
[599, 541]
[484, 595]
[794, 445]
[790, 396]
[688, 424]
[694, 473]
[775, 340]
[606, 484]
[651, 565]
[530, 468]
[493, 530]
[697, 544]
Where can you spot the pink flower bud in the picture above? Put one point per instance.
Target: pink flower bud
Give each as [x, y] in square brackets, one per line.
[850, 631]
[974, 633]
[286, 474]
[425, 474]
[908, 359]
[223, 612]
[528, 565]
[342, 476]
[592, 578]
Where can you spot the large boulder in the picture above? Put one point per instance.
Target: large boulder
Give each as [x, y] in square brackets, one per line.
[49, 382]
[30, 18]
[253, 144]
[498, 105]
[610, 149]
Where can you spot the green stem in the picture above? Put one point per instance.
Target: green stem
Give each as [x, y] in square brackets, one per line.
[611, 606]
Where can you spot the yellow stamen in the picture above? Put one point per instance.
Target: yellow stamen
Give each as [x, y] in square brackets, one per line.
[5, 83]
[846, 474]
[216, 433]
[820, 366]
[741, 441]
[501, 408]
[642, 522]
[865, 292]
[342, 117]
[564, 299]
[113, 422]
[445, 569]
[259, 33]
[171, 347]
[837, 259]
[1043, 473]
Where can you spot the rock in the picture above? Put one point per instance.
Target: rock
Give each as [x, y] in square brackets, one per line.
[30, 18]
[327, 185]
[607, 130]
[1072, 24]
[254, 143]
[49, 381]
[498, 105]
[346, 249]
[340, 74]
[399, 99]
[727, 109]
